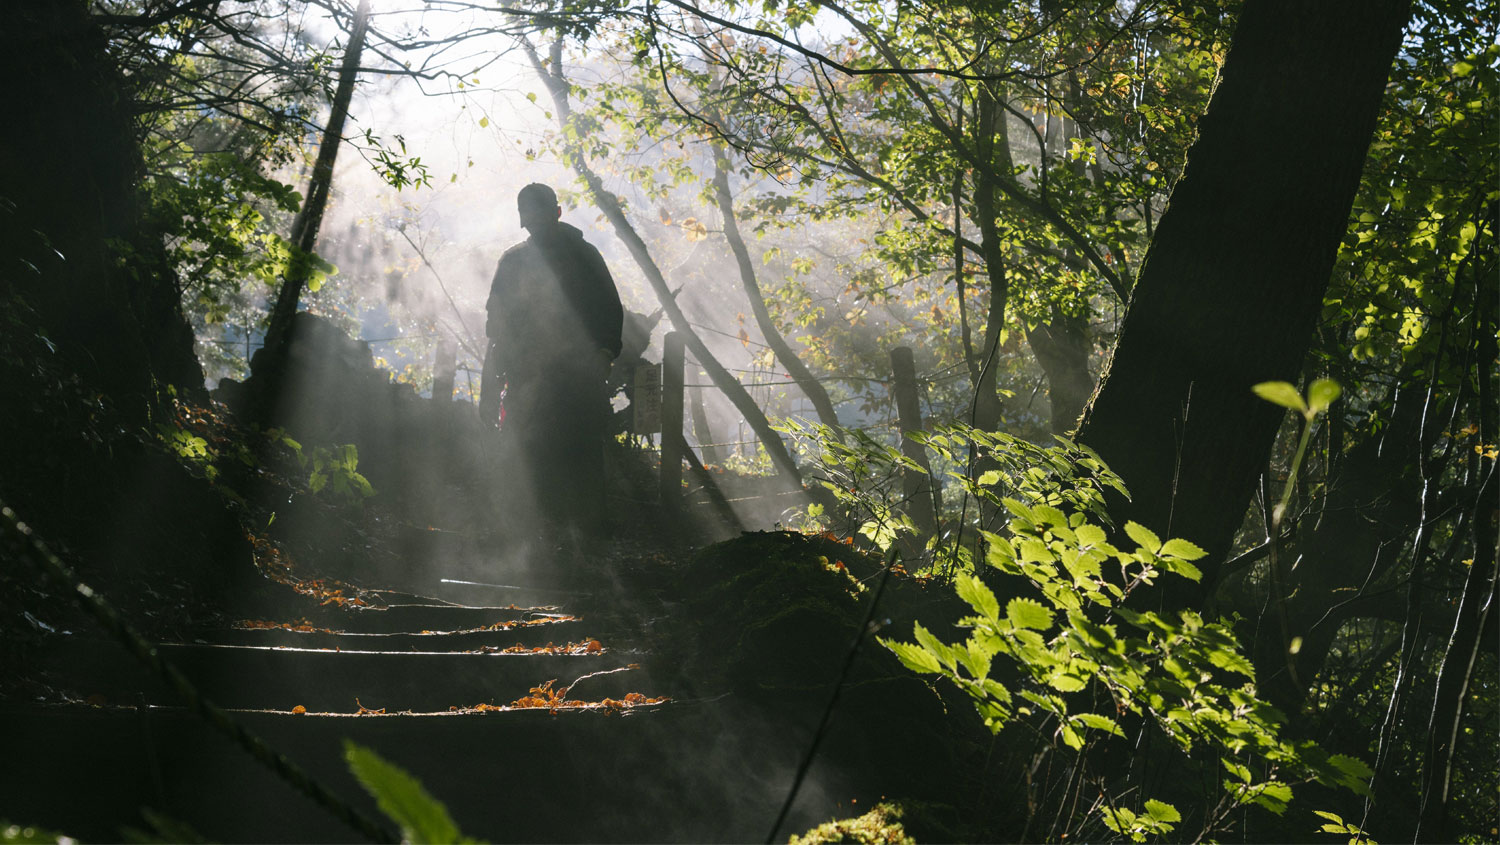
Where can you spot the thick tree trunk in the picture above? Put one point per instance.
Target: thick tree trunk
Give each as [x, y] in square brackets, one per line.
[72, 239]
[1234, 279]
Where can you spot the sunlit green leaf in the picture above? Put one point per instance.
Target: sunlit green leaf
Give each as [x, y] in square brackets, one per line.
[1321, 394]
[980, 597]
[1143, 536]
[1177, 547]
[1281, 393]
[1028, 613]
[1162, 811]
[913, 657]
[1100, 723]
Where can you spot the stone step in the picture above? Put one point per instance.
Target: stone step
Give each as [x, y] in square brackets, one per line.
[342, 681]
[411, 618]
[671, 773]
[534, 631]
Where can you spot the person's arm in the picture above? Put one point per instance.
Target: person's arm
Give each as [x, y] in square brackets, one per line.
[608, 313]
[492, 376]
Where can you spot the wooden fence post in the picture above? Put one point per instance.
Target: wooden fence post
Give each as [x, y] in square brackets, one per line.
[670, 490]
[444, 370]
[917, 486]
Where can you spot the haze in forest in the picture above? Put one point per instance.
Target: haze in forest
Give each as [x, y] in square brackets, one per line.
[1086, 427]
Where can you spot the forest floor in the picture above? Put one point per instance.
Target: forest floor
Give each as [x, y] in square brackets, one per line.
[623, 693]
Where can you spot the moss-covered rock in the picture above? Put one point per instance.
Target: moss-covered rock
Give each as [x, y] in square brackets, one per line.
[880, 826]
[772, 610]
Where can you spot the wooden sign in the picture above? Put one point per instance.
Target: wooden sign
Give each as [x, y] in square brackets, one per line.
[646, 399]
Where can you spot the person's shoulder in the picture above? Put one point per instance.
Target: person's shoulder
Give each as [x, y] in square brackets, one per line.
[516, 255]
[575, 240]
[516, 250]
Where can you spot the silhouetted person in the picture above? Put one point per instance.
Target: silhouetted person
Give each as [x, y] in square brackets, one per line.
[554, 327]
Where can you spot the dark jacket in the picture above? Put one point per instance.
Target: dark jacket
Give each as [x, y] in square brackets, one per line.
[552, 304]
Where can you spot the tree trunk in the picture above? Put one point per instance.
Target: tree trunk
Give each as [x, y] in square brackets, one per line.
[72, 239]
[990, 129]
[1234, 279]
[1475, 607]
[310, 218]
[557, 87]
[1062, 347]
[774, 339]
[702, 431]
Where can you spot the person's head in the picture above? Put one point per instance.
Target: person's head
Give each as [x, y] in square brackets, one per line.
[538, 208]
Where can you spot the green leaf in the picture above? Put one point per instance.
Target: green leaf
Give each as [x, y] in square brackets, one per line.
[1019, 509]
[1028, 613]
[1182, 549]
[945, 655]
[914, 657]
[1232, 661]
[1281, 393]
[1121, 820]
[1051, 515]
[1274, 796]
[1183, 568]
[973, 591]
[1143, 536]
[1352, 766]
[1035, 551]
[423, 819]
[1100, 723]
[1162, 811]
[1321, 394]
[1066, 683]
[1071, 738]
[1091, 535]
[1238, 770]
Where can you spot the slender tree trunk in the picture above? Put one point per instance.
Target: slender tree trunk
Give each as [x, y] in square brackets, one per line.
[1356, 538]
[774, 339]
[701, 429]
[557, 87]
[310, 218]
[960, 284]
[1234, 280]
[1062, 344]
[990, 129]
[1475, 607]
